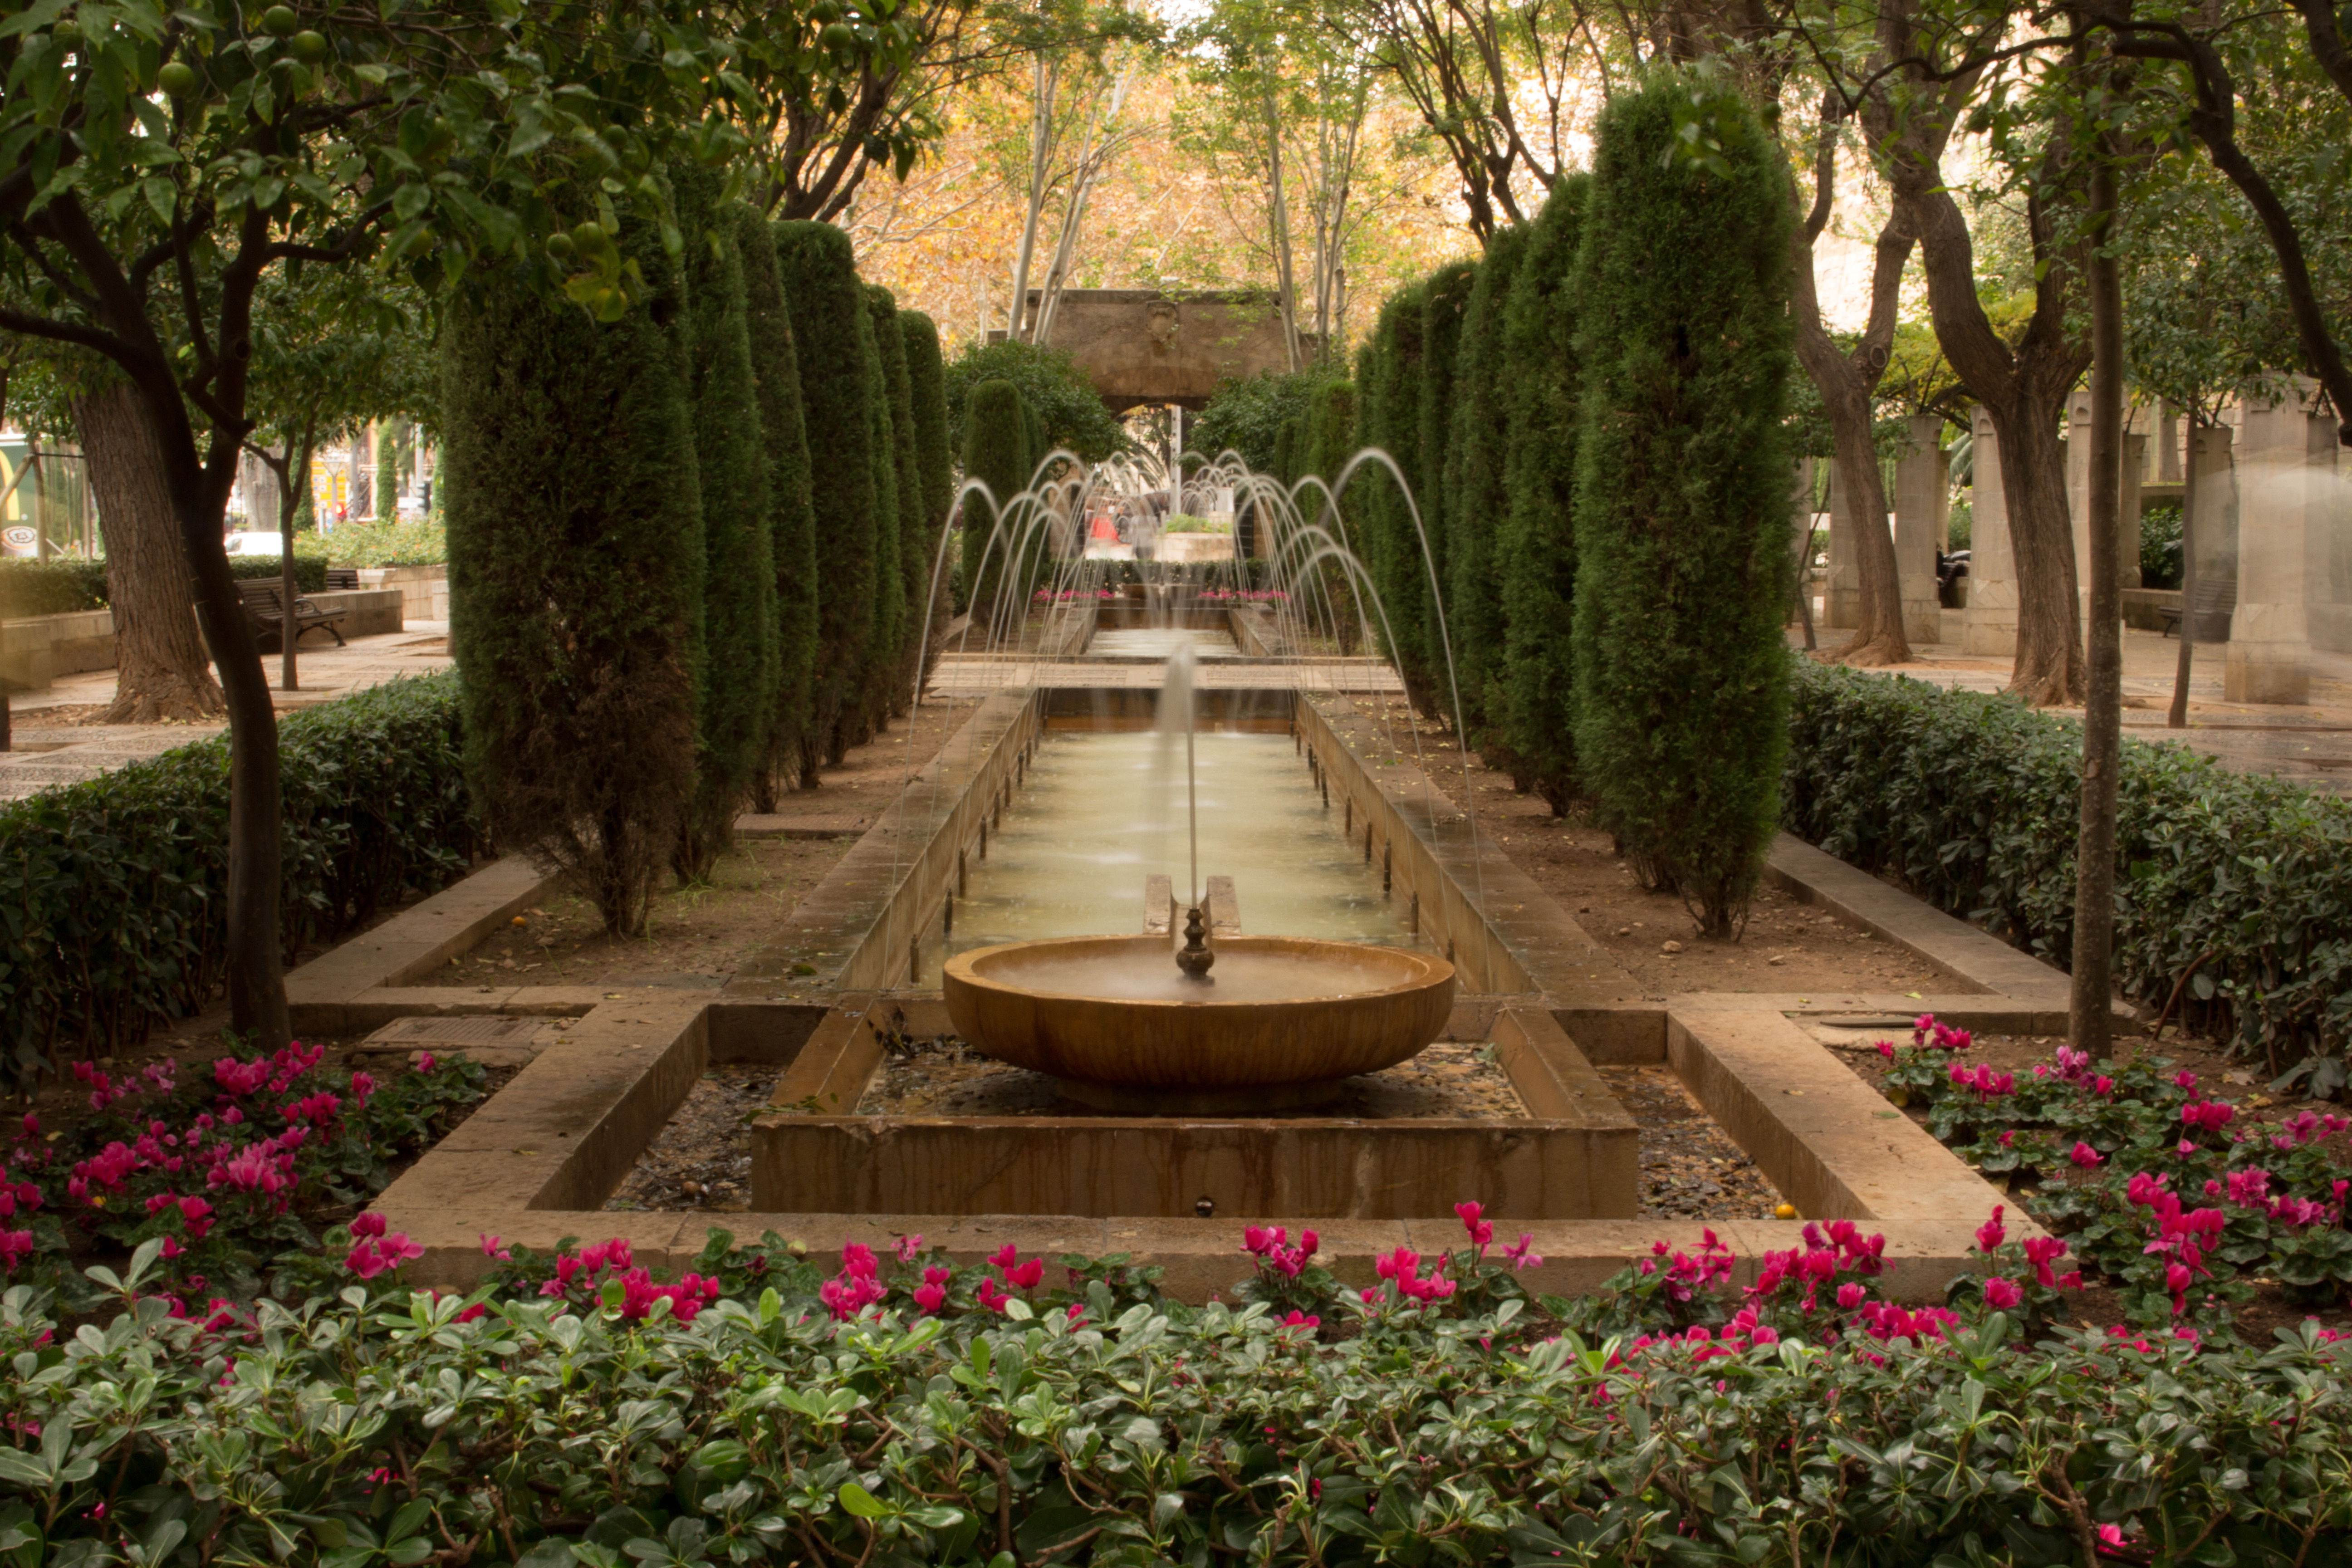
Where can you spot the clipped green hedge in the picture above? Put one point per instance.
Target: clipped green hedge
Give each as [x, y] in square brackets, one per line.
[68, 585]
[2243, 884]
[113, 892]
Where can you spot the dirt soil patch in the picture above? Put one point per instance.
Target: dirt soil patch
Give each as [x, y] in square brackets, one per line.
[1691, 1169]
[63, 715]
[944, 1077]
[1787, 947]
[701, 1159]
[698, 934]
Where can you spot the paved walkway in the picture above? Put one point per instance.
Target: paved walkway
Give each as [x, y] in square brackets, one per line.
[46, 751]
[2311, 745]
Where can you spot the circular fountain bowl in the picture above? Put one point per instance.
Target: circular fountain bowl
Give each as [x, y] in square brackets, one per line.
[1283, 1022]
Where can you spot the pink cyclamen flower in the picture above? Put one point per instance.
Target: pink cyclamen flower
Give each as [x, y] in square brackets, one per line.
[1990, 1234]
[2085, 1155]
[2001, 1293]
[370, 1224]
[1523, 1256]
[491, 1247]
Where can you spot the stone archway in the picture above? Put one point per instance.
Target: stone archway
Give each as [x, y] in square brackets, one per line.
[1141, 347]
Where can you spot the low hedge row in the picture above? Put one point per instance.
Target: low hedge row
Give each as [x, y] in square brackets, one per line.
[69, 585]
[760, 1413]
[2234, 889]
[112, 893]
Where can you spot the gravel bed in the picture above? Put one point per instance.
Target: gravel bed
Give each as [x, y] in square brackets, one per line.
[701, 1159]
[1690, 1167]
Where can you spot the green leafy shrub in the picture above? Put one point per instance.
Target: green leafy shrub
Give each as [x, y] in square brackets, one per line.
[117, 889]
[68, 587]
[911, 1410]
[1246, 415]
[60, 587]
[995, 450]
[421, 542]
[2234, 889]
[1066, 403]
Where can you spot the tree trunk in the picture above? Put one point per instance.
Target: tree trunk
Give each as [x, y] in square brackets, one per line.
[1847, 383]
[2176, 716]
[2091, 1019]
[2025, 391]
[161, 667]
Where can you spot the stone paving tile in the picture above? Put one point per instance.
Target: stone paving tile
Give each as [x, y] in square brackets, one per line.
[47, 755]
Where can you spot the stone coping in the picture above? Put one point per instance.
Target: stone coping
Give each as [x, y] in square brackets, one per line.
[1575, 1155]
[534, 1164]
[368, 981]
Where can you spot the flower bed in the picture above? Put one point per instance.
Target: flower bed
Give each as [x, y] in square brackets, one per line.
[903, 1409]
[2160, 1185]
[232, 1174]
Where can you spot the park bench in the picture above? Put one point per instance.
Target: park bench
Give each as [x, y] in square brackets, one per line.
[342, 577]
[267, 613]
[2216, 597]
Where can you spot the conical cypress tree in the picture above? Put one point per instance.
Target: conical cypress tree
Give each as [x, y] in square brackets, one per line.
[1445, 299]
[1535, 554]
[887, 652]
[736, 713]
[575, 564]
[1331, 419]
[1286, 460]
[1475, 498]
[913, 558]
[821, 289]
[1682, 494]
[1391, 422]
[793, 526]
[935, 465]
[995, 452]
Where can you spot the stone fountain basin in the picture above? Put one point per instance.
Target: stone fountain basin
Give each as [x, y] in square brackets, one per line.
[1027, 1002]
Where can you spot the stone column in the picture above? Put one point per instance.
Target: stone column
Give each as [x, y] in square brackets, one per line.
[2168, 444]
[1842, 600]
[1991, 624]
[2127, 520]
[2288, 466]
[2215, 523]
[1922, 496]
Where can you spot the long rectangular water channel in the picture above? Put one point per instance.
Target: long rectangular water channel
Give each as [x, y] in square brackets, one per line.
[1101, 812]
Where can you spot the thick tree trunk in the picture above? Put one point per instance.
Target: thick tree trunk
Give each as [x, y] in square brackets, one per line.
[2025, 391]
[161, 667]
[2092, 1017]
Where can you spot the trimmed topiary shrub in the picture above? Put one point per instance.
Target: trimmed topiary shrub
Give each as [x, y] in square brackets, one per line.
[792, 744]
[1388, 418]
[914, 501]
[995, 453]
[1534, 695]
[1476, 497]
[884, 691]
[575, 574]
[934, 458]
[1682, 492]
[117, 889]
[1331, 442]
[1445, 299]
[2232, 893]
[736, 680]
[821, 289]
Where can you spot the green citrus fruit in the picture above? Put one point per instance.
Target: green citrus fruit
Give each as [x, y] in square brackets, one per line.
[279, 21]
[177, 79]
[310, 46]
[839, 35]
